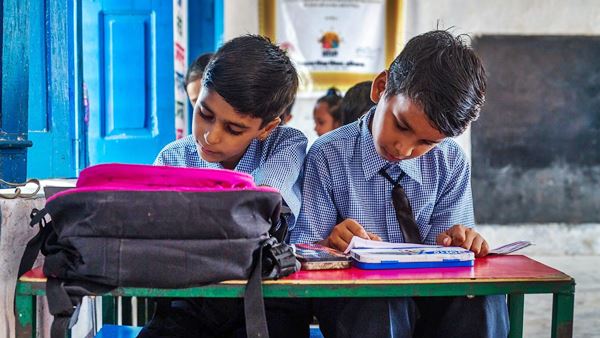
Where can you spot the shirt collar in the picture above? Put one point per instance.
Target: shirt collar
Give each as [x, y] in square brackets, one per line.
[372, 162]
[247, 162]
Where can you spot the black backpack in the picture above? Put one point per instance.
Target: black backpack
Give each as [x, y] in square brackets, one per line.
[158, 227]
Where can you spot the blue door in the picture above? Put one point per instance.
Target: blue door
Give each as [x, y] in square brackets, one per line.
[127, 49]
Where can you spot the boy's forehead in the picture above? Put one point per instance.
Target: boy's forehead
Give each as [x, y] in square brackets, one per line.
[217, 105]
[412, 112]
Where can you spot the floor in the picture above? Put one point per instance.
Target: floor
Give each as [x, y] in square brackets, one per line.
[538, 308]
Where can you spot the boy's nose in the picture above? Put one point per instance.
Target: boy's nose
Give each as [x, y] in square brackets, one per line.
[404, 150]
[212, 136]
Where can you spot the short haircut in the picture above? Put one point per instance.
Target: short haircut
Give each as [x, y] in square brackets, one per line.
[443, 75]
[254, 76]
[356, 102]
[196, 69]
[333, 98]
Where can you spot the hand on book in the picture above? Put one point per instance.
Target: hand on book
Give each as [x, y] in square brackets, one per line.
[342, 234]
[462, 236]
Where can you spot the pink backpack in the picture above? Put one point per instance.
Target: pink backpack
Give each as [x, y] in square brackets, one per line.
[160, 227]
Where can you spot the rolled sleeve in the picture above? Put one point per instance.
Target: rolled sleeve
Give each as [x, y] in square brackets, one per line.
[282, 168]
[455, 204]
[318, 213]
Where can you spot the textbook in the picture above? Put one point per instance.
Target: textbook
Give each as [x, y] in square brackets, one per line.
[421, 256]
[369, 254]
[361, 243]
[318, 257]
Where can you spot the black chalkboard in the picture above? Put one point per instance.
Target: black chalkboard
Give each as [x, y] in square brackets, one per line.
[536, 145]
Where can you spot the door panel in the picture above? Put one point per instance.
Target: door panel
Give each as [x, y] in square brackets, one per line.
[128, 70]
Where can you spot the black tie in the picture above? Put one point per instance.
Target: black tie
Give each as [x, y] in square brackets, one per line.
[404, 213]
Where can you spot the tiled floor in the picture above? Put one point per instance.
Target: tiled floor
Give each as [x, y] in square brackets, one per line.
[538, 308]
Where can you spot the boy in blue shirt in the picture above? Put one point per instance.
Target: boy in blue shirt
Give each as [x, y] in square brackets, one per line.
[246, 86]
[433, 90]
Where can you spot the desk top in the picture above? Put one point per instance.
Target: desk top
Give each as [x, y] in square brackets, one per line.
[506, 268]
[509, 268]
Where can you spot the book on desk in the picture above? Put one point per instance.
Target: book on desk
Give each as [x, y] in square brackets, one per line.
[369, 254]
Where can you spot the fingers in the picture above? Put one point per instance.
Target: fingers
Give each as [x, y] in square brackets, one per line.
[464, 237]
[373, 236]
[476, 245]
[485, 249]
[355, 228]
[342, 234]
[458, 234]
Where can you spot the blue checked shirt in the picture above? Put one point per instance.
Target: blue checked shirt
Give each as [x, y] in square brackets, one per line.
[275, 162]
[341, 180]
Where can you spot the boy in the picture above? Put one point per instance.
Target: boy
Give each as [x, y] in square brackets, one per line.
[432, 91]
[193, 77]
[246, 86]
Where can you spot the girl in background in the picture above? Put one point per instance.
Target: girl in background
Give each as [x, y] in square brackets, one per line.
[327, 113]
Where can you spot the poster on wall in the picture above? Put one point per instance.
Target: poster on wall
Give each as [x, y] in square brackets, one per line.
[180, 50]
[334, 42]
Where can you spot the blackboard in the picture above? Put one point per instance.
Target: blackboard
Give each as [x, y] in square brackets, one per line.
[536, 145]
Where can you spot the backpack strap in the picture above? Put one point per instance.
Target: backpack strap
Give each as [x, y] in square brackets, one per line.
[35, 244]
[64, 302]
[254, 305]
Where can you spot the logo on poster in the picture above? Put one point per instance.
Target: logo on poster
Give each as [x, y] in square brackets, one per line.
[330, 42]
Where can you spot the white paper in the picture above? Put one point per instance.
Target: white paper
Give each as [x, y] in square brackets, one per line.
[362, 243]
[510, 248]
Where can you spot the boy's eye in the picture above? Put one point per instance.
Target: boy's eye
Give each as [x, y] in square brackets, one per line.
[204, 116]
[399, 126]
[234, 131]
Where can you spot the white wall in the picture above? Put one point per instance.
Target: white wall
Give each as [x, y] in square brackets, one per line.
[474, 17]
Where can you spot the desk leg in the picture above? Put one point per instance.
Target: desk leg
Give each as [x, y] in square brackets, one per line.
[562, 315]
[25, 310]
[515, 314]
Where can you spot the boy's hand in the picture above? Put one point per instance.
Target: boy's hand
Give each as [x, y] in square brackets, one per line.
[460, 235]
[342, 234]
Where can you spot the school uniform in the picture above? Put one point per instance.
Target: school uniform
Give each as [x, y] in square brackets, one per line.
[342, 180]
[276, 162]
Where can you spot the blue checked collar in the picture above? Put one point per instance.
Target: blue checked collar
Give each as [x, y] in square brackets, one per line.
[372, 162]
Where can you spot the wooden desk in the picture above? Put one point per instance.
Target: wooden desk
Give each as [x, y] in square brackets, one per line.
[512, 275]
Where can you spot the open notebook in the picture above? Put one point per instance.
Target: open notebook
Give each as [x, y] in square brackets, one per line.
[368, 254]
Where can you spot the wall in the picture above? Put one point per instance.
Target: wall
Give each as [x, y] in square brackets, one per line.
[476, 18]
[466, 16]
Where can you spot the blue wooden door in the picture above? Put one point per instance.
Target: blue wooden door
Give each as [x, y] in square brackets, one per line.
[53, 90]
[128, 70]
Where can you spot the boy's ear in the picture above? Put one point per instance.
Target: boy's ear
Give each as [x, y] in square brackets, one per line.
[266, 130]
[378, 86]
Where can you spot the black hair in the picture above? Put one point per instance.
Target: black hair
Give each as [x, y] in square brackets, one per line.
[333, 98]
[444, 76]
[254, 76]
[356, 102]
[196, 69]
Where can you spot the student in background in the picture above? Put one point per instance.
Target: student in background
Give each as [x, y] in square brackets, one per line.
[326, 112]
[432, 91]
[246, 86]
[193, 77]
[356, 102]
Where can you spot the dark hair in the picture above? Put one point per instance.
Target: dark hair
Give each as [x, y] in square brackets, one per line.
[196, 69]
[254, 76]
[444, 76]
[333, 98]
[356, 102]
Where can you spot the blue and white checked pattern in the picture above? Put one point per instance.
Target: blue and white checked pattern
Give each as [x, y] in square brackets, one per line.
[275, 162]
[341, 181]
